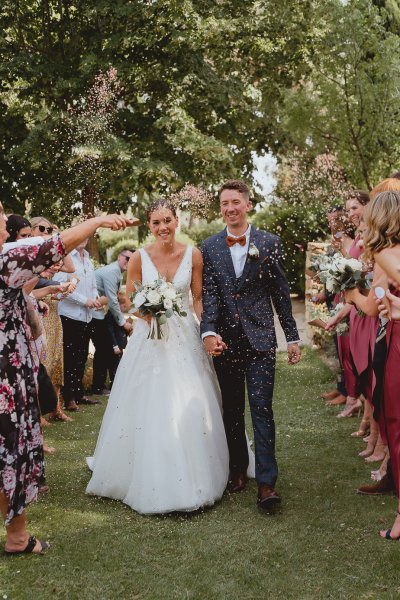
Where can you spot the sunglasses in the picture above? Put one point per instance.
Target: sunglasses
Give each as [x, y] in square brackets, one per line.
[126, 257]
[43, 229]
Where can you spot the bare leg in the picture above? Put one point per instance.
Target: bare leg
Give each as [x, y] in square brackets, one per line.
[394, 533]
[372, 439]
[17, 535]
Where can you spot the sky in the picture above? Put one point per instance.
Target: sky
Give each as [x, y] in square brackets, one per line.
[265, 168]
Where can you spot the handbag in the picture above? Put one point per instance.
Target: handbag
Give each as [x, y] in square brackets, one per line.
[46, 393]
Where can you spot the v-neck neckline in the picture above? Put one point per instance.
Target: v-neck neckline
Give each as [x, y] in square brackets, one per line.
[177, 270]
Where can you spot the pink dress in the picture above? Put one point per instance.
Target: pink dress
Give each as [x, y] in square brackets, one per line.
[362, 340]
[391, 403]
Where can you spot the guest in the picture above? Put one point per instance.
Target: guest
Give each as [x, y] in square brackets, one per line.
[383, 235]
[118, 335]
[18, 227]
[41, 226]
[21, 456]
[342, 239]
[53, 356]
[108, 280]
[76, 312]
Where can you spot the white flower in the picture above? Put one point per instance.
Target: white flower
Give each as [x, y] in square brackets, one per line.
[170, 293]
[329, 285]
[140, 299]
[154, 297]
[354, 264]
[168, 303]
[253, 250]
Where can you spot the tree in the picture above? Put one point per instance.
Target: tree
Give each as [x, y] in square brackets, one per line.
[201, 84]
[349, 102]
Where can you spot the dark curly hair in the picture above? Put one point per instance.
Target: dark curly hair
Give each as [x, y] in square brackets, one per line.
[14, 224]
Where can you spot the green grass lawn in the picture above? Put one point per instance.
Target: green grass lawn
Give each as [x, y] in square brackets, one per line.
[323, 543]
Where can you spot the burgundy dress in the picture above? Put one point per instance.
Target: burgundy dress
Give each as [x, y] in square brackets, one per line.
[346, 360]
[362, 340]
[21, 443]
[391, 398]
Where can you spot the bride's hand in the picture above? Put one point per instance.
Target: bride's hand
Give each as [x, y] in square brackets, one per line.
[214, 345]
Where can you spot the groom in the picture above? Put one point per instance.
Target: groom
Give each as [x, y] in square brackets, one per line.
[243, 273]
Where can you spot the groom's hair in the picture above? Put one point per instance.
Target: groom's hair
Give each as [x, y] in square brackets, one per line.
[235, 184]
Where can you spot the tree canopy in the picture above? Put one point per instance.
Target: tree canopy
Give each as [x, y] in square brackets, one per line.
[200, 86]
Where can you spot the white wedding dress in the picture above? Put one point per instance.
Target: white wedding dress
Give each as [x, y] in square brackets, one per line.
[162, 444]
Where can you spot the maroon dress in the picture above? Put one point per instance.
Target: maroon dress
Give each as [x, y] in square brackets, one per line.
[391, 398]
[362, 340]
[21, 443]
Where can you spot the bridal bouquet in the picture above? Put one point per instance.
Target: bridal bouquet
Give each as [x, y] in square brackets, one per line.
[339, 273]
[160, 301]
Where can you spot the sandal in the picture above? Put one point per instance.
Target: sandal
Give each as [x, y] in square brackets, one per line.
[389, 537]
[31, 546]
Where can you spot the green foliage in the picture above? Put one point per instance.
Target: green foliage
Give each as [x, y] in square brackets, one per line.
[107, 239]
[124, 244]
[200, 86]
[296, 224]
[202, 231]
[349, 102]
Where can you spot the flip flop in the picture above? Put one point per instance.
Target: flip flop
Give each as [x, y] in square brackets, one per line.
[30, 547]
[389, 537]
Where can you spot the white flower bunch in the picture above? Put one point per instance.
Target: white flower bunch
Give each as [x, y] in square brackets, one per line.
[160, 301]
[343, 326]
[339, 273]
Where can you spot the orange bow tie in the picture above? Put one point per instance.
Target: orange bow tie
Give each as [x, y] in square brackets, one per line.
[231, 241]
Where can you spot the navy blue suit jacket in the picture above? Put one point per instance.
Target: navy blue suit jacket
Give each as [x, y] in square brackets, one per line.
[247, 301]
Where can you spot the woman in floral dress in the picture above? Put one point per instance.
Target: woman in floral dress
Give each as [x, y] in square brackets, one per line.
[21, 444]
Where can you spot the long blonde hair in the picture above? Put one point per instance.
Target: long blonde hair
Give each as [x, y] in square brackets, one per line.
[36, 220]
[382, 218]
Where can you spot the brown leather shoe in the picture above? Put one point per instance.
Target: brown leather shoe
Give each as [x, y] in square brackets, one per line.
[237, 483]
[86, 400]
[384, 486]
[72, 406]
[267, 497]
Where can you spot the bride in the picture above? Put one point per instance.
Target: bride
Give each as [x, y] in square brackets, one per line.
[162, 444]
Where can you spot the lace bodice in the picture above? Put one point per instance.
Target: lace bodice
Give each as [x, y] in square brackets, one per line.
[182, 278]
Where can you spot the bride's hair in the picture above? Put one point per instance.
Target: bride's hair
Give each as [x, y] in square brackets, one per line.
[160, 203]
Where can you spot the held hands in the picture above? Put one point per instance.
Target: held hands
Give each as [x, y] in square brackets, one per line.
[214, 345]
[93, 303]
[294, 354]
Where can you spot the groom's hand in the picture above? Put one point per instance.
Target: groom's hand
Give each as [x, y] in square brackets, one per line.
[214, 345]
[294, 354]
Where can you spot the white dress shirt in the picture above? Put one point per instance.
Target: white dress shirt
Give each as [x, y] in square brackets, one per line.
[238, 252]
[74, 305]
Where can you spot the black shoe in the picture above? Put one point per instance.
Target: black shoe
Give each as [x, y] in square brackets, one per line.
[85, 400]
[103, 392]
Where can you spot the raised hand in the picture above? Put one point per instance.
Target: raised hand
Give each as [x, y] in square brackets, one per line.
[117, 222]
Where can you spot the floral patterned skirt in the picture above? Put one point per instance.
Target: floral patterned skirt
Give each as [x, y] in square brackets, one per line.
[21, 442]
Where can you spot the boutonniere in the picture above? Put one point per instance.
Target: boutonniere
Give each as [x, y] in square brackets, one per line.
[254, 252]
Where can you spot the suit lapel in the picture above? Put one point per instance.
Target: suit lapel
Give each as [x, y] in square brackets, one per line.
[226, 253]
[248, 264]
